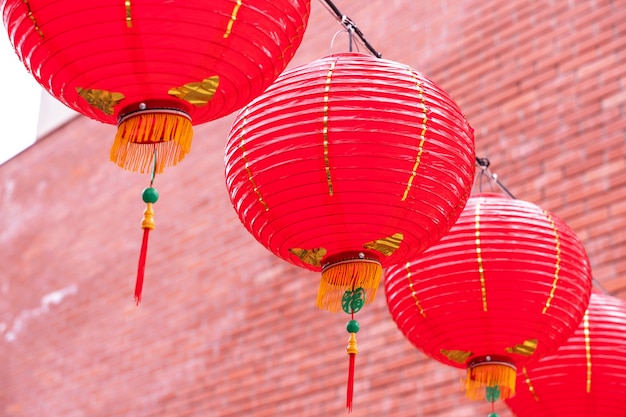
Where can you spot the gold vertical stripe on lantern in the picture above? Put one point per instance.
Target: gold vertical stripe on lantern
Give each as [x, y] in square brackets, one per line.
[129, 21]
[233, 17]
[32, 18]
[413, 293]
[244, 157]
[329, 76]
[420, 147]
[530, 384]
[587, 349]
[557, 267]
[479, 258]
[286, 52]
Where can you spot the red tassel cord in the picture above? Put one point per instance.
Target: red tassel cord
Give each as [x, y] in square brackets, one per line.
[150, 196]
[351, 302]
[142, 266]
[352, 351]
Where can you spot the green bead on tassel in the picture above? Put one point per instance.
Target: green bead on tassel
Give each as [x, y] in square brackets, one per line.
[492, 394]
[353, 326]
[150, 195]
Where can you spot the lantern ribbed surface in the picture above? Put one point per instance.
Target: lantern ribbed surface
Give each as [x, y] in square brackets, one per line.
[146, 48]
[349, 155]
[192, 61]
[508, 284]
[586, 376]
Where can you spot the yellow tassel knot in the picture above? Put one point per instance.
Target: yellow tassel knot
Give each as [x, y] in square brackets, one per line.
[148, 218]
[352, 348]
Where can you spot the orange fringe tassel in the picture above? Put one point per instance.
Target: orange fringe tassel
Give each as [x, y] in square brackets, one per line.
[347, 275]
[490, 374]
[139, 135]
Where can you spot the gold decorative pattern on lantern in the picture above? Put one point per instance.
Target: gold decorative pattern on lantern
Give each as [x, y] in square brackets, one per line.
[310, 256]
[31, 16]
[587, 349]
[129, 21]
[413, 293]
[329, 76]
[244, 156]
[479, 258]
[233, 17]
[101, 99]
[284, 53]
[526, 348]
[197, 93]
[557, 267]
[459, 356]
[529, 383]
[387, 246]
[420, 147]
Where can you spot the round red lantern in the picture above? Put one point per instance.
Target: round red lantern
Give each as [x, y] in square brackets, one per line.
[506, 286]
[349, 163]
[155, 68]
[346, 165]
[587, 374]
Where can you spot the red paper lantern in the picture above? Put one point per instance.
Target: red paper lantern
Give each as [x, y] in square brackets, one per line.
[506, 286]
[348, 164]
[586, 376]
[349, 158]
[155, 68]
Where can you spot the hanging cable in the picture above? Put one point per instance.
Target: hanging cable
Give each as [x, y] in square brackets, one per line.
[483, 163]
[600, 286]
[350, 26]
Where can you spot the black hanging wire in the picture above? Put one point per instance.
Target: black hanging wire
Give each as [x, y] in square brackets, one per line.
[600, 286]
[483, 164]
[350, 26]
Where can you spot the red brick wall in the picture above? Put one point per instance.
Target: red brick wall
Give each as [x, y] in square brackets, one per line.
[227, 329]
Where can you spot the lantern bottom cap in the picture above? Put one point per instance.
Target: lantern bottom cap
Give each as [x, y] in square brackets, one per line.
[490, 372]
[149, 140]
[348, 274]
